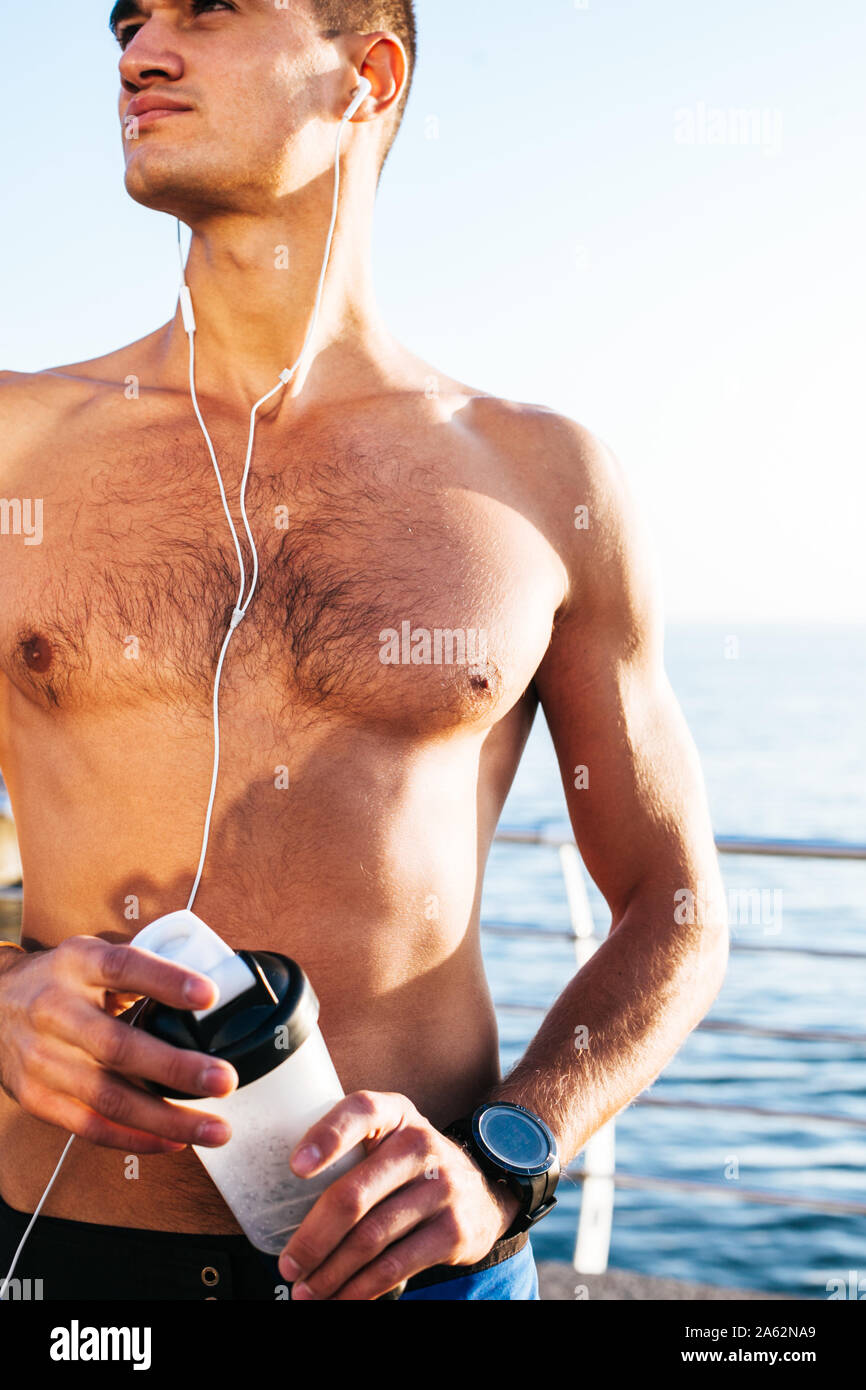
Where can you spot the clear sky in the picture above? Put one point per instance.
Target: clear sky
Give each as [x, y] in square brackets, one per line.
[573, 215]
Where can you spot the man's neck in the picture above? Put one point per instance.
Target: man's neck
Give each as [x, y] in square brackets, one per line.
[254, 283]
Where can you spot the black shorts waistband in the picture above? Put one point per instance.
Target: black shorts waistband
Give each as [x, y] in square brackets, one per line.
[82, 1260]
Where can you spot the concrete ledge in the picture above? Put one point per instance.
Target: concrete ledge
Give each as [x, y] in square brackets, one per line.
[559, 1281]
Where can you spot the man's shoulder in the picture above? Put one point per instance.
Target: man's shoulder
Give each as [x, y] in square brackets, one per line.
[18, 389]
[29, 402]
[67, 387]
[562, 446]
[30, 399]
[579, 494]
[34, 405]
[557, 458]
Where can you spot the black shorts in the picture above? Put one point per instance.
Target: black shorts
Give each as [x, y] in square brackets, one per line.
[79, 1260]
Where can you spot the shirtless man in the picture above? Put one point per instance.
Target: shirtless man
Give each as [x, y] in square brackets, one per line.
[445, 508]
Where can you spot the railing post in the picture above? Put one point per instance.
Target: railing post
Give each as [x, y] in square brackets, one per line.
[582, 926]
[592, 1245]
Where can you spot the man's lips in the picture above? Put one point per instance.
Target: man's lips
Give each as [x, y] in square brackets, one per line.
[145, 109]
[156, 114]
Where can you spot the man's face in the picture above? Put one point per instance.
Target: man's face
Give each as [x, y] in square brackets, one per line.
[252, 76]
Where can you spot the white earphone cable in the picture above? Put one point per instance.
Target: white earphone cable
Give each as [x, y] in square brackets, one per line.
[243, 604]
[33, 1220]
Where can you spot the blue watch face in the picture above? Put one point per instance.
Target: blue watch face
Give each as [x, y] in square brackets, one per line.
[514, 1138]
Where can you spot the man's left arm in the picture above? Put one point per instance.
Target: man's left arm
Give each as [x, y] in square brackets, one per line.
[638, 808]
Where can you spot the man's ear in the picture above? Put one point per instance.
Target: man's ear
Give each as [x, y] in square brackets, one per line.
[382, 60]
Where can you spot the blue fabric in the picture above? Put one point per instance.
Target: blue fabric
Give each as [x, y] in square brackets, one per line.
[515, 1278]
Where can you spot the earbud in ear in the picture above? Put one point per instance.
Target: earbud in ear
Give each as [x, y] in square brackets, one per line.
[365, 87]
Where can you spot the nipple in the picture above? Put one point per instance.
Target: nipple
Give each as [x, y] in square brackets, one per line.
[38, 653]
[485, 678]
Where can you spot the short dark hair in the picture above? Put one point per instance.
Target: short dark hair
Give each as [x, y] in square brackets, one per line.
[364, 17]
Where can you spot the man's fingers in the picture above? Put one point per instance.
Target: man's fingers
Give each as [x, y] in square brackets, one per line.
[128, 1050]
[125, 970]
[355, 1199]
[364, 1115]
[67, 1074]
[75, 1118]
[384, 1226]
[416, 1252]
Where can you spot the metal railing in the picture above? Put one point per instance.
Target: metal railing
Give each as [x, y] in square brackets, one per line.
[598, 1174]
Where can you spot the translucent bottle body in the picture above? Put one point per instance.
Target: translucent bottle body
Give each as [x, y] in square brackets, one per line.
[269, 1117]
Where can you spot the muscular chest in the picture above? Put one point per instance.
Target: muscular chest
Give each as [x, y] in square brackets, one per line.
[392, 583]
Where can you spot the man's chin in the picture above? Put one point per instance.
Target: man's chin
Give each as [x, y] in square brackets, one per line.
[162, 194]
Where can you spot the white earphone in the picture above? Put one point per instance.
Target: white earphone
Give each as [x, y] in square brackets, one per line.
[365, 87]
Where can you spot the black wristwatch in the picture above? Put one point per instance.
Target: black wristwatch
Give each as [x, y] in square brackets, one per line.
[511, 1144]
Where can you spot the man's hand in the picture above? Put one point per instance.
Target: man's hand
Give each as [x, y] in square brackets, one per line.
[65, 1059]
[417, 1200]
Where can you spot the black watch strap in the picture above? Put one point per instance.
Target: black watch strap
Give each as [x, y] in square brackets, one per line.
[535, 1194]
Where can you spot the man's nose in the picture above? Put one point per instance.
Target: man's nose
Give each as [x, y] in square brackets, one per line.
[153, 52]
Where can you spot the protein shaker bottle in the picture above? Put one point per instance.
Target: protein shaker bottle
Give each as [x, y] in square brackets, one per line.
[265, 1023]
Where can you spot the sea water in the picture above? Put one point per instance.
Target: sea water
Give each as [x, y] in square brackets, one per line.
[779, 717]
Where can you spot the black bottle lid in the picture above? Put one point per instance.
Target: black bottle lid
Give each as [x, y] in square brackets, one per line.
[254, 1032]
